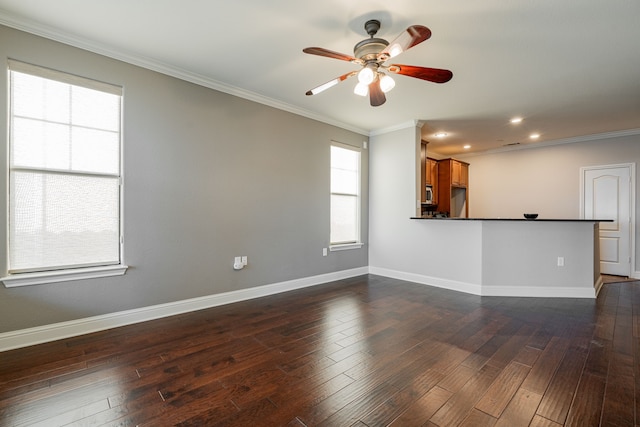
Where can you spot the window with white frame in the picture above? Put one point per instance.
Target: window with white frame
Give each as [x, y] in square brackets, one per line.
[64, 171]
[345, 195]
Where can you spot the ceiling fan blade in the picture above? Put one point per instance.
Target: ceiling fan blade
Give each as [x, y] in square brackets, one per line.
[435, 75]
[376, 95]
[330, 83]
[330, 54]
[412, 36]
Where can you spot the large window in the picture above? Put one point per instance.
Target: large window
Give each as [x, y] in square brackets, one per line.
[64, 171]
[345, 195]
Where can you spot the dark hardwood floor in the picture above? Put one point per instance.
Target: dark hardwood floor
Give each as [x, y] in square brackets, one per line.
[368, 351]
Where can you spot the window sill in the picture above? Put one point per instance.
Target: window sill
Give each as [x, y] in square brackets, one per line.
[345, 247]
[40, 278]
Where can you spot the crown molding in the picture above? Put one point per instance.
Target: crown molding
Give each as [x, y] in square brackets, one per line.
[570, 140]
[50, 33]
[400, 126]
[166, 69]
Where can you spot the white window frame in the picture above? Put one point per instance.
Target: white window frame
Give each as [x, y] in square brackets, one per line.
[341, 246]
[13, 279]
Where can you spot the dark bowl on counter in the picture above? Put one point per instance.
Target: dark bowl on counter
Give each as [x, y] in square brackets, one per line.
[531, 216]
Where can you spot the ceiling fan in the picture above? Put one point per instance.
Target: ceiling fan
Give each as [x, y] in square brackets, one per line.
[371, 54]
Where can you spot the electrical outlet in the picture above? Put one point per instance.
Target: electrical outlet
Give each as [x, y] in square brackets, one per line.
[560, 261]
[244, 260]
[324, 251]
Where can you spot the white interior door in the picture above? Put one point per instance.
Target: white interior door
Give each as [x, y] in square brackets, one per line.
[607, 195]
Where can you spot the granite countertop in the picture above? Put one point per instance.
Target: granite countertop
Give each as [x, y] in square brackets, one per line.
[514, 219]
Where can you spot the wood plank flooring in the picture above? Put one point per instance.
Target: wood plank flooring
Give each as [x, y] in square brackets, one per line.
[367, 351]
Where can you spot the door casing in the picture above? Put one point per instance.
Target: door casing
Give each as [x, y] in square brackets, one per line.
[632, 202]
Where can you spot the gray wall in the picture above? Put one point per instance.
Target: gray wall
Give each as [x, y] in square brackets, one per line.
[524, 254]
[208, 176]
[399, 244]
[545, 180]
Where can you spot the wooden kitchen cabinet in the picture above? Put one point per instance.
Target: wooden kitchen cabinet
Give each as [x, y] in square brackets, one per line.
[429, 173]
[431, 167]
[459, 173]
[423, 170]
[453, 187]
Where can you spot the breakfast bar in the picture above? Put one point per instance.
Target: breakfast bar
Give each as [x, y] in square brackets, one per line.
[520, 257]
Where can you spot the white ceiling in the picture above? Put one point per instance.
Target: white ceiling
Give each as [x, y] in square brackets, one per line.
[570, 68]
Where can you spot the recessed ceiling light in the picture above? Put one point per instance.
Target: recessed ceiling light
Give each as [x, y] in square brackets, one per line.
[534, 136]
[466, 147]
[516, 120]
[441, 134]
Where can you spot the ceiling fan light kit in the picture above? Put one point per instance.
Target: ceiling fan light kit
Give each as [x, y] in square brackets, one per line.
[361, 89]
[371, 54]
[386, 82]
[367, 74]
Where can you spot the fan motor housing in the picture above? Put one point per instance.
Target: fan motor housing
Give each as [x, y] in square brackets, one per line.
[369, 49]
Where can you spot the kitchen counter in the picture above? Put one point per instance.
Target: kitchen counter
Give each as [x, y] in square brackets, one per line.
[513, 219]
[545, 257]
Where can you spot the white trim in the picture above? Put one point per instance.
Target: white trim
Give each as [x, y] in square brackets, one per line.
[345, 247]
[632, 206]
[72, 270]
[56, 331]
[347, 146]
[585, 138]
[571, 140]
[400, 126]
[60, 76]
[452, 285]
[50, 33]
[538, 291]
[598, 285]
[483, 290]
[169, 70]
[40, 278]
[357, 195]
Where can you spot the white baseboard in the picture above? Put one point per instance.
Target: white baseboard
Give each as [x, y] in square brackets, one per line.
[598, 285]
[469, 288]
[538, 291]
[56, 331]
[483, 290]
